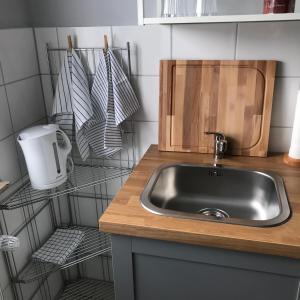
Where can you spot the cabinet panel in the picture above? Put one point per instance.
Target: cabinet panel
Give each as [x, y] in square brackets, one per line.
[162, 278]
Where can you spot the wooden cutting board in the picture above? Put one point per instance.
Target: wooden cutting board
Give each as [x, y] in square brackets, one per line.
[232, 97]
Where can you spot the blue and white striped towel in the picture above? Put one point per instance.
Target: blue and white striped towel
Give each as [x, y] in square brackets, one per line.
[72, 102]
[113, 101]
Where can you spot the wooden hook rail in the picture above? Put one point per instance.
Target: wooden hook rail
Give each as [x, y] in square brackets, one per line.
[70, 43]
[3, 185]
[105, 43]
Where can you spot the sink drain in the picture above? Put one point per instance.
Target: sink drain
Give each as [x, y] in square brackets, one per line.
[214, 212]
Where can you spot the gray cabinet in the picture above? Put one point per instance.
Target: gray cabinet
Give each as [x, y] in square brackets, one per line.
[147, 269]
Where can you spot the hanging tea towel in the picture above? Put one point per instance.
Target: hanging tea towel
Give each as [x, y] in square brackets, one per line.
[113, 101]
[72, 102]
[59, 247]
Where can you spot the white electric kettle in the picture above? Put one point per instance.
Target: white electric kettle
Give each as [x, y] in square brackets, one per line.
[46, 160]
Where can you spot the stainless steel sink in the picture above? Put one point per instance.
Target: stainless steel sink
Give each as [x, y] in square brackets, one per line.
[235, 196]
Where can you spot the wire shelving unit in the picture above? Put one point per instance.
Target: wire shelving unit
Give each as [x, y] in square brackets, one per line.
[92, 184]
[88, 289]
[94, 243]
[83, 177]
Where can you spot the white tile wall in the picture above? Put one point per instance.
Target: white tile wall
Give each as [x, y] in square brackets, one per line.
[147, 90]
[45, 36]
[84, 36]
[275, 40]
[21, 103]
[48, 93]
[4, 275]
[284, 102]
[149, 44]
[280, 138]
[5, 121]
[26, 102]
[203, 41]
[17, 54]
[146, 134]
[9, 167]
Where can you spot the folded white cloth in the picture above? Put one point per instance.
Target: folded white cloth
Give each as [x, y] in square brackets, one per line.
[113, 101]
[72, 102]
[59, 247]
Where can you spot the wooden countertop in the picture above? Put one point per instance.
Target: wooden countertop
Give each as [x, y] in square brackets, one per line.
[126, 216]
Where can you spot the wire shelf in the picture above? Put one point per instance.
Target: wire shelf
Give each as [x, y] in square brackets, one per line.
[91, 289]
[94, 244]
[83, 177]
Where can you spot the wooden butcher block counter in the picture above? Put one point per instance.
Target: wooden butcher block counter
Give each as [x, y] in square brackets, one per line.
[126, 216]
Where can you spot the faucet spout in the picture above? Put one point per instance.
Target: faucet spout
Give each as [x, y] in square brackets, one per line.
[220, 146]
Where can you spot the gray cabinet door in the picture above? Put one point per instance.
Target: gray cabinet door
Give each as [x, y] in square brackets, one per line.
[160, 278]
[147, 269]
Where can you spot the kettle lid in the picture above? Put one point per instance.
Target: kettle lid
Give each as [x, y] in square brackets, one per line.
[37, 131]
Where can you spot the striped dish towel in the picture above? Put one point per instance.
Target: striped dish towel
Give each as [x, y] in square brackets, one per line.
[59, 247]
[72, 103]
[113, 101]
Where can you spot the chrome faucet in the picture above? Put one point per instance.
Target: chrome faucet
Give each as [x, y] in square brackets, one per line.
[220, 146]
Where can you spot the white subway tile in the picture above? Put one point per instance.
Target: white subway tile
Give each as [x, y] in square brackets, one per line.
[1, 74]
[14, 219]
[149, 44]
[8, 293]
[45, 36]
[271, 40]
[4, 275]
[203, 41]
[284, 102]
[22, 255]
[297, 7]
[9, 160]
[146, 134]
[280, 139]
[147, 90]
[26, 102]
[48, 93]
[17, 53]
[5, 121]
[85, 37]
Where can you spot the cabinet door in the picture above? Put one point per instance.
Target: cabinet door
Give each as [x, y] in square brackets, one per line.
[163, 279]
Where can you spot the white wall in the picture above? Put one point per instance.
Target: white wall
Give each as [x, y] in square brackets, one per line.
[14, 13]
[82, 12]
[280, 41]
[21, 105]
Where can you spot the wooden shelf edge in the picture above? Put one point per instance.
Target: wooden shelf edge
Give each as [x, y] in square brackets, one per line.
[224, 19]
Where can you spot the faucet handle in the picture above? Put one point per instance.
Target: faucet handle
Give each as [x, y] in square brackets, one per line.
[218, 135]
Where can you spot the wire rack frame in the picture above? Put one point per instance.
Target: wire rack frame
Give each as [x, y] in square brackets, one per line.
[99, 190]
[93, 244]
[85, 289]
[118, 165]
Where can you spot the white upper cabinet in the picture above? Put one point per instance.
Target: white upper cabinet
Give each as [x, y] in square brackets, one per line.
[216, 11]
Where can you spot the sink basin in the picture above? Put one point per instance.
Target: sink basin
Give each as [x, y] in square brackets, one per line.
[220, 194]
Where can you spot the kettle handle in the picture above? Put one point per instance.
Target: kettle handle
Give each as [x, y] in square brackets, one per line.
[68, 146]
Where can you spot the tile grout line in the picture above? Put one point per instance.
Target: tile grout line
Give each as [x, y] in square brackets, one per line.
[21, 79]
[12, 126]
[7, 101]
